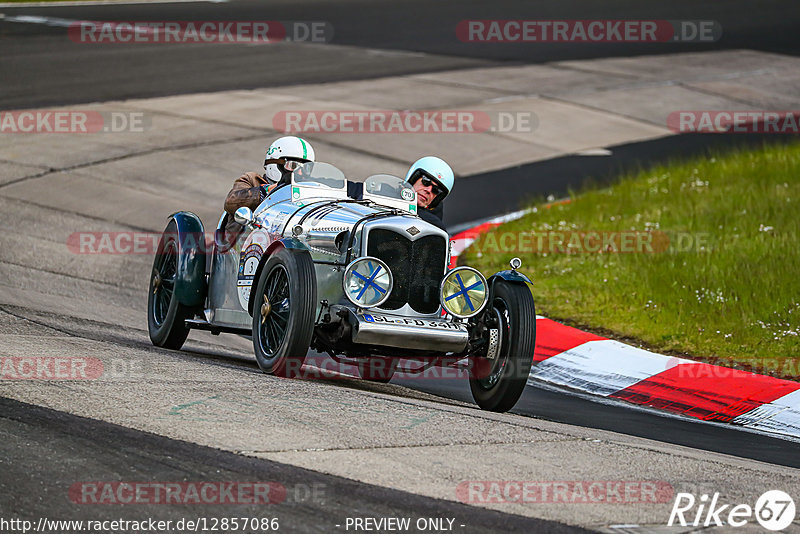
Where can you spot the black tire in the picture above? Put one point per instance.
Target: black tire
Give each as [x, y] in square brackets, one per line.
[497, 385]
[282, 337]
[165, 315]
[377, 369]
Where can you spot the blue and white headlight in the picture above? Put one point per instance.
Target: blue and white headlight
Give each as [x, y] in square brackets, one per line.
[367, 282]
[463, 292]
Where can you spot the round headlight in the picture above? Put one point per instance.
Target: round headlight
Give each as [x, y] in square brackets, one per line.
[367, 282]
[463, 292]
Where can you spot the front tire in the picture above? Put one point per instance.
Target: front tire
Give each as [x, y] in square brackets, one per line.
[499, 385]
[165, 315]
[283, 312]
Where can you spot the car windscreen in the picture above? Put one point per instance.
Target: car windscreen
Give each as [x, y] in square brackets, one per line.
[389, 186]
[318, 174]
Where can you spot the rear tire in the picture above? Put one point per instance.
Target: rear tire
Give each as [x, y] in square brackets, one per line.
[282, 330]
[499, 384]
[165, 315]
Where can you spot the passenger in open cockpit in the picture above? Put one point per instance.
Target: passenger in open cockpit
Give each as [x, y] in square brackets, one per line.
[250, 189]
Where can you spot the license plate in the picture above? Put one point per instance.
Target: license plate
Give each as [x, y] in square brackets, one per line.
[404, 321]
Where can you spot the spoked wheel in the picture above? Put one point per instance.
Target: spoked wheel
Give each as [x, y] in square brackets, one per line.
[283, 312]
[165, 315]
[377, 369]
[497, 384]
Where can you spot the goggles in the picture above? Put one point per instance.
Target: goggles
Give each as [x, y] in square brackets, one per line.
[290, 165]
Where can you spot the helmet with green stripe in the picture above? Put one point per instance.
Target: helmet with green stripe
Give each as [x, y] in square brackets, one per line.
[289, 148]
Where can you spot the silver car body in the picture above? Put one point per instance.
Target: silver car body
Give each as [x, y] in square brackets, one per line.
[337, 230]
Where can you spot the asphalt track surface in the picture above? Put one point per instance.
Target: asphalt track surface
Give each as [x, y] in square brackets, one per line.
[41, 68]
[48, 72]
[572, 410]
[83, 449]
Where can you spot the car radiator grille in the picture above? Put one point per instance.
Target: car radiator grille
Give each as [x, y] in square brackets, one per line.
[417, 268]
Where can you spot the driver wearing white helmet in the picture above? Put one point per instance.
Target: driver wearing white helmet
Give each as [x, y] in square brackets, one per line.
[250, 189]
[432, 179]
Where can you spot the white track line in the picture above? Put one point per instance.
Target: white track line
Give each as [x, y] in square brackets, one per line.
[35, 19]
[104, 3]
[602, 367]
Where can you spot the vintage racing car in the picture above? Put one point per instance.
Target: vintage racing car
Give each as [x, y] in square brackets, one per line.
[365, 281]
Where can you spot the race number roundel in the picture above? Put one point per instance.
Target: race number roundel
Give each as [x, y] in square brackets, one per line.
[252, 250]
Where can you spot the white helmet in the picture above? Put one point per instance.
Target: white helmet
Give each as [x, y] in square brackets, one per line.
[437, 170]
[289, 147]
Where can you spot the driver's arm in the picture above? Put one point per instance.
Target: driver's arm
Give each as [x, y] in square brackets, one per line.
[247, 191]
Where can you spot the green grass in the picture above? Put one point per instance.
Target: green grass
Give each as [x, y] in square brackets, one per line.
[733, 300]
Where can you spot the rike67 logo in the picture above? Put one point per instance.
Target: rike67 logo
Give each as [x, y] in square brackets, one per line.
[774, 510]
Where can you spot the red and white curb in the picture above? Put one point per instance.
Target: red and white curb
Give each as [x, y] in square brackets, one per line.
[570, 358]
